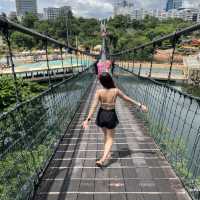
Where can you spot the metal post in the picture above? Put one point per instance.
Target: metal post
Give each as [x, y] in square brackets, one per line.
[153, 51]
[122, 61]
[82, 62]
[172, 57]
[128, 61]
[61, 55]
[125, 62]
[77, 65]
[139, 72]
[47, 59]
[72, 64]
[133, 61]
[7, 38]
[87, 61]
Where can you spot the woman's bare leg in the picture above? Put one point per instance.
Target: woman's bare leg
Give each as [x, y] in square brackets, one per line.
[105, 139]
[104, 132]
[107, 144]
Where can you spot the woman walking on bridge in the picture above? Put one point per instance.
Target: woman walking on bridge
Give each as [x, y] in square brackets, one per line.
[106, 117]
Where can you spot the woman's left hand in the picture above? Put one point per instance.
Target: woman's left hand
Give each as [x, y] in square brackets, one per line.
[144, 108]
[85, 124]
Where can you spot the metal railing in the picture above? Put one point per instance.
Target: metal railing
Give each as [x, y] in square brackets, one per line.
[7, 24]
[7, 27]
[30, 134]
[174, 116]
[146, 52]
[31, 131]
[173, 121]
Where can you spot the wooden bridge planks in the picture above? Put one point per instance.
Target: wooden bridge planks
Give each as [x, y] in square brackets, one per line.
[137, 170]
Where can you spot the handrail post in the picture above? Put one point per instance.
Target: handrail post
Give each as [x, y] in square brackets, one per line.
[82, 62]
[133, 61]
[77, 65]
[71, 61]
[122, 61]
[47, 60]
[139, 72]
[6, 34]
[128, 61]
[174, 41]
[61, 55]
[153, 52]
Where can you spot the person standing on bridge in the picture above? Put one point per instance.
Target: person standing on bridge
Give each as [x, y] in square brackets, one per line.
[107, 117]
[104, 66]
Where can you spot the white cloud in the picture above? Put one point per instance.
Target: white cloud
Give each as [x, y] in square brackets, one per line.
[151, 4]
[91, 8]
[189, 3]
[162, 3]
[85, 8]
[7, 5]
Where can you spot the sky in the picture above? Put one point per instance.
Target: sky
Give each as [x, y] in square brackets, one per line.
[90, 8]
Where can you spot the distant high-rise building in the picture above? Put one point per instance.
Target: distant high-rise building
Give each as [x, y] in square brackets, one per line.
[12, 15]
[174, 4]
[52, 13]
[40, 16]
[26, 6]
[123, 7]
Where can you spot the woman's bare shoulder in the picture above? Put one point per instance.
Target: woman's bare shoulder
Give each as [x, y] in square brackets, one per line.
[117, 89]
[99, 91]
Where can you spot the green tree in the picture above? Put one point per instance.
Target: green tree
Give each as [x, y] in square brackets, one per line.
[27, 90]
[29, 19]
[22, 40]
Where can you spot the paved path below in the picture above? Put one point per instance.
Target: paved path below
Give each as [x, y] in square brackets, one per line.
[137, 170]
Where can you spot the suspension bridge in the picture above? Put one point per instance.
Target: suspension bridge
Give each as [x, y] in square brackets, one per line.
[45, 154]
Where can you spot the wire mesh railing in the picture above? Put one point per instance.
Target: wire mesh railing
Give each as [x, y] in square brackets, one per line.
[163, 58]
[30, 132]
[47, 59]
[173, 121]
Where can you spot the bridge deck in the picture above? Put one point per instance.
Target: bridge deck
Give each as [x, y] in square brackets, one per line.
[137, 170]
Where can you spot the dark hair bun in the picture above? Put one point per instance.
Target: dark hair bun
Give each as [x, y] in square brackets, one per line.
[106, 80]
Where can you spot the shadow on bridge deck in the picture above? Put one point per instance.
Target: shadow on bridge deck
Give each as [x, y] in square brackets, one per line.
[137, 170]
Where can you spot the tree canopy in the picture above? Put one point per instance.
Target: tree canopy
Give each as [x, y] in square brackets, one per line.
[124, 32]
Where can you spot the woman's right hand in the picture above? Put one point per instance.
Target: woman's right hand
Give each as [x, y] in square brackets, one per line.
[85, 124]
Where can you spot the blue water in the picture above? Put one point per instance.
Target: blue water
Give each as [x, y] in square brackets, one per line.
[54, 63]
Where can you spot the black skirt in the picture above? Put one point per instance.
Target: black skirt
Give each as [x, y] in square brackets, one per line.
[107, 118]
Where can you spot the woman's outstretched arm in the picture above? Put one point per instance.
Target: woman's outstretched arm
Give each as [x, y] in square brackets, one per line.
[92, 109]
[94, 105]
[130, 100]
